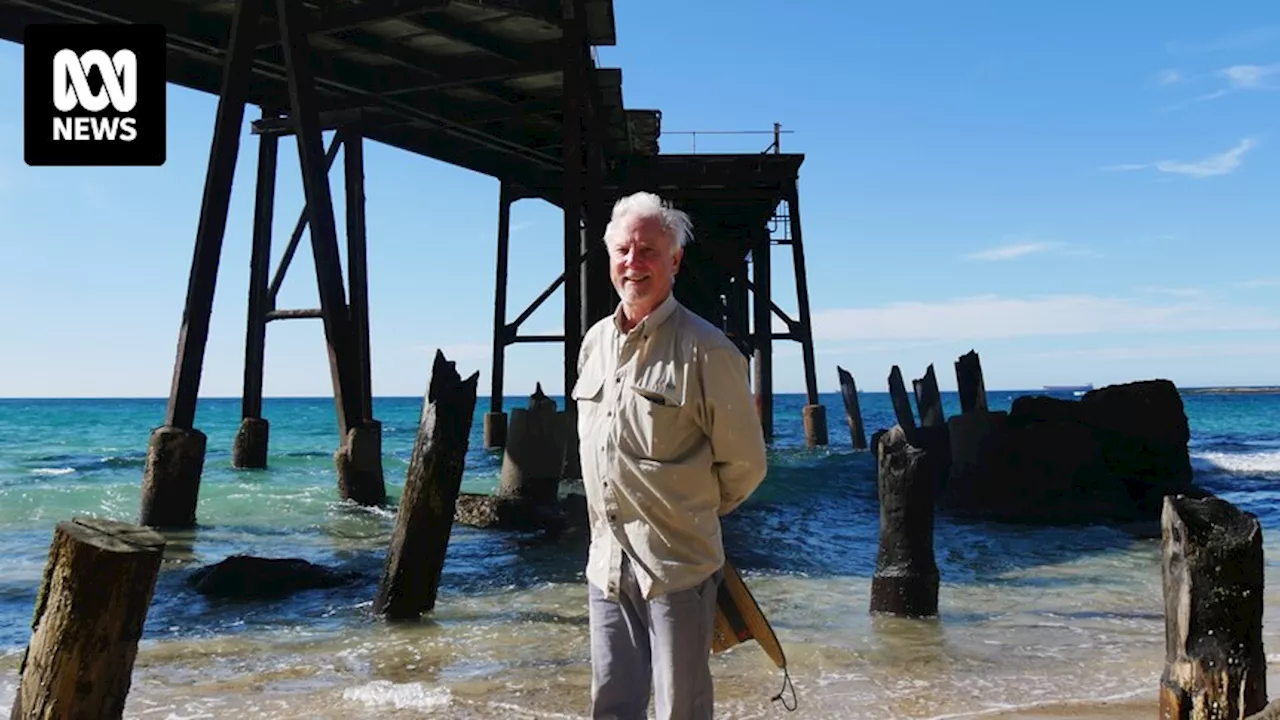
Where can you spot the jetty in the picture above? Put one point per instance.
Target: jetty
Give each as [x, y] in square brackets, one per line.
[510, 89]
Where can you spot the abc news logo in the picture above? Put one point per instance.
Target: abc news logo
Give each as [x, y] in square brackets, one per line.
[95, 95]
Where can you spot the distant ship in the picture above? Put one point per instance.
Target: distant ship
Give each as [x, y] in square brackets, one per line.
[1076, 390]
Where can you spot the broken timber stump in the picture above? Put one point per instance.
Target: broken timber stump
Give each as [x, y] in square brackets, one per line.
[906, 577]
[972, 388]
[424, 519]
[852, 413]
[534, 454]
[1212, 566]
[928, 399]
[88, 619]
[901, 403]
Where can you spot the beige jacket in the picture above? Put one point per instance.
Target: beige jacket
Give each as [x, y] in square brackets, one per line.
[669, 441]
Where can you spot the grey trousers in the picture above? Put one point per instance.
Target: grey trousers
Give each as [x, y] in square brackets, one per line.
[661, 646]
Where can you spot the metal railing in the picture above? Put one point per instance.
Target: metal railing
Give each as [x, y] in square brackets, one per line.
[777, 132]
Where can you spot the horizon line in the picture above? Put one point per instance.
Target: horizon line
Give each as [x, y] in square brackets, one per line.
[561, 395]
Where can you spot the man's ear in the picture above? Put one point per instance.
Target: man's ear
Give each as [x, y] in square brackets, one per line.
[675, 260]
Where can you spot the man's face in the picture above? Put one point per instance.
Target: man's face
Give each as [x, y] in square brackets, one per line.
[642, 265]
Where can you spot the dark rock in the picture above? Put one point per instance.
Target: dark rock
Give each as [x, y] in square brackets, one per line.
[1111, 456]
[245, 577]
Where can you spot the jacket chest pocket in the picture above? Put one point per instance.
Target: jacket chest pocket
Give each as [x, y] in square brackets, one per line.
[657, 417]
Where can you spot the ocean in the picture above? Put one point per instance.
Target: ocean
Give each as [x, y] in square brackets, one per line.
[1031, 618]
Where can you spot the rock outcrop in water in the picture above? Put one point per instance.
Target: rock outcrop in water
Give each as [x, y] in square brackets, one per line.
[1112, 456]
[245, 577]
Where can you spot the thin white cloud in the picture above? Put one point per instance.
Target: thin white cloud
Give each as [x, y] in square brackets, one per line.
[1223, 163]
[1169, 77]
[1011, 251]
[992, 317]
[1251, 77]
[1237, 79]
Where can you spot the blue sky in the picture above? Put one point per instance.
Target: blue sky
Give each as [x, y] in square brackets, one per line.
[1083, 192]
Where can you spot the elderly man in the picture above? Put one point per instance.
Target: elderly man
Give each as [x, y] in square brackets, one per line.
[670, 441]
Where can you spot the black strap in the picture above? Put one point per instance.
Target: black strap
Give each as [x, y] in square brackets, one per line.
[786, 683]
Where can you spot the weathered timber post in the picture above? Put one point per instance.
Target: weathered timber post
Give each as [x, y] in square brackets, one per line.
[852, 413]
[1212, 566]
[901, 403]
[814, 418]
[411, 576]
[89, 617]
[531, 464]
[972, 388]
[928, 399]
[906, 577]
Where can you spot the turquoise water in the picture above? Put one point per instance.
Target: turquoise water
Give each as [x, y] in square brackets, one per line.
[1028, 615]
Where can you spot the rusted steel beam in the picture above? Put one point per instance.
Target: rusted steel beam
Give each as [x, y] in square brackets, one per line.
[358, 262]
[802, 293]
[211, 228]
[537, 302]
[500, 298]
[259, 267]
[324, 233]
[306, 313]
[273, 290]
[762, 300]
[572, 182]
[284, 125]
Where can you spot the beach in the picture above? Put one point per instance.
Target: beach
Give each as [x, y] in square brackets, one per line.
[1034, 622]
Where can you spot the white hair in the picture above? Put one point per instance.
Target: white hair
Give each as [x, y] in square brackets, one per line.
[647, 206]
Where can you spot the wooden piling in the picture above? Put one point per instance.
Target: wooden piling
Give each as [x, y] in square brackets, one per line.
[171, 478]
[89, 616]
[901, 402]
[972, 388]
[411, 576]
[814, 419]
[249, 449]
[531, 464]
[358, 461]
[852, 413]
[1212, 566]
[906, 576]
[928, 399]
